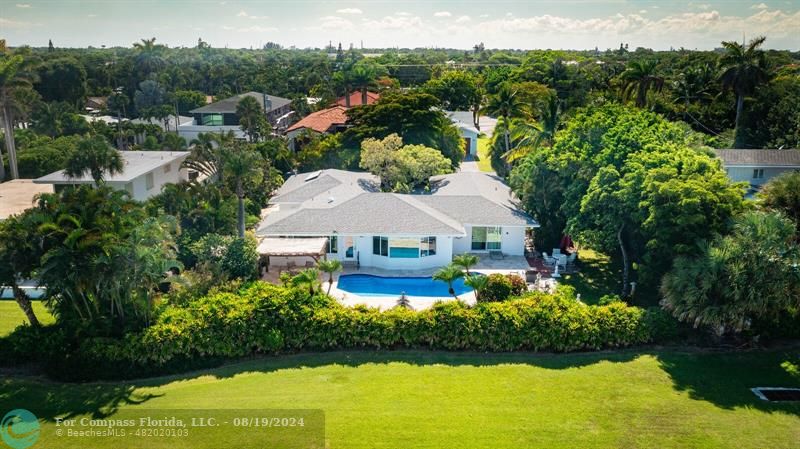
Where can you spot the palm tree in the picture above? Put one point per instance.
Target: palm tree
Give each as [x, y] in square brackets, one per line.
[343, 82]
[16, 72]
[743, 68]
[329, 266]
[531, 134]
[206, 155]
[148, 55]
[251, 117]
[242, 165]
[507, 105]
[478, 284]
[362, 77]
[638, 79]
[465, 261]
[449, 274]
[403, 302]
[47, 119]
[173, 142]
[19, 256]
[95, 156]
[308, 277]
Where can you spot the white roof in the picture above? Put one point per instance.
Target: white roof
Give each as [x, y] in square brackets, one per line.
[18, 195]
[292, 247]
[135, 164]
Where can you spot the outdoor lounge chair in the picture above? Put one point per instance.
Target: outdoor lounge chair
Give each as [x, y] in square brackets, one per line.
[548, 260]
[496, 255]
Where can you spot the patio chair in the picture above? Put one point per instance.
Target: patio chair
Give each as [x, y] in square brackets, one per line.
[548, 260]
[556, 252]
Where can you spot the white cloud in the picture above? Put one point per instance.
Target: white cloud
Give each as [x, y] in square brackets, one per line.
[406, 23]
[241, 14]
[642, 11]
[334, 22]
[349, 11]
[463, 19]
[483, 16]
[442, 14]
[250, 29]
[10, 23]
[402, 13]
[23, 5]
[759, 6]
[246, 15]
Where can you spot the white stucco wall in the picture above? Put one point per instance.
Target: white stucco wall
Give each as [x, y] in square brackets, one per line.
[190, 132]
[363, 250]
[140, 192]
[512, 241]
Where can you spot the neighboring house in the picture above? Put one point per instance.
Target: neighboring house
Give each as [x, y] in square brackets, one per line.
[356, 99]
[758, 166]
[326, 121]
[221, 116]
[470, 136]
[182, 121]
[466, 212]
[143, 175]
[18, 195]
[487, 124]
[95, 104]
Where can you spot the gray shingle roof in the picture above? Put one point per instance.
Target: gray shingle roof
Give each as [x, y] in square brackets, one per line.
[777, 158]
[368, 213]
[228, 105]
[476, 210]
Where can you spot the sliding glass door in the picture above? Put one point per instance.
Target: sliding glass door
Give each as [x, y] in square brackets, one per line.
[486, 238]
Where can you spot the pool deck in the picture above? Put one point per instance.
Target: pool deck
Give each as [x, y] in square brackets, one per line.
[507, 265]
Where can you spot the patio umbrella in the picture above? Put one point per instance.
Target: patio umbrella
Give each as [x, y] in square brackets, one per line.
[566, 243]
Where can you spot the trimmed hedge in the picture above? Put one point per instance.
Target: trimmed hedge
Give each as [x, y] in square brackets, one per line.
[265, 319]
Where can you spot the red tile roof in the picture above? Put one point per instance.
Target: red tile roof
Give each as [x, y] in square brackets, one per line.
[355, 99]
[323, 120]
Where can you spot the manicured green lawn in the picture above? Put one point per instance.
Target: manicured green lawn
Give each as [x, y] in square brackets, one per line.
[411, 399]
[599, 276]
[484, 161]
[11, 315]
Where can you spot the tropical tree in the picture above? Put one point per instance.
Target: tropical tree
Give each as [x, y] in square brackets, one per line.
[19, 258]
[117, 102]
[329, 266]
[743, 68]
[173, 142]
[478, 282]
[251, 118]
[638, 79]
[149, 55]
[782, 194]
[465, 261]
[362, 76]
[15, 73]
[507, 105]
[308, 278]
[449, 274]
[343, 82]
[95, 156]
[206, 153]
[538, 130]
[751, 274]
[241, 166]
[148, 98]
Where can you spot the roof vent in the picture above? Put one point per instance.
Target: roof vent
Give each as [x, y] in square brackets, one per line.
[312, 176]
[330, 199]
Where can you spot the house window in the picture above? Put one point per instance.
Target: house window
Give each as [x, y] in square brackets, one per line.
[129, 188]
[333, 245]
[758, 173]
[486, 238]
[349, 248]
[427, 246]
[167, 168]
[148, 181]
[380, 245]
[212, 120]
[404, 248]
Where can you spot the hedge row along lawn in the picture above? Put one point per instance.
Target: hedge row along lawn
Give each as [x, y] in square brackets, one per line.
[418, 399]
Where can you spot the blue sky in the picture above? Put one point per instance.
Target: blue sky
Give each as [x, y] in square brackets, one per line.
[569, 24]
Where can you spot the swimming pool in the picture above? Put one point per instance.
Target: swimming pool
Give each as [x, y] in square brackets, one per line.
[369, 285]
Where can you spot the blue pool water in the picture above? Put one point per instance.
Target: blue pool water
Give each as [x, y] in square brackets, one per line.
[368, 285]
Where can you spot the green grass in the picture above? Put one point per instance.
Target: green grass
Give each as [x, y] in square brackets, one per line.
[411, 399]
[12, 316]
[484, 161]
[598, 275]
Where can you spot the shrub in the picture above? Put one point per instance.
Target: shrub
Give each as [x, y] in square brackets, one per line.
[263, 318]
[518, 285]
[497, 289]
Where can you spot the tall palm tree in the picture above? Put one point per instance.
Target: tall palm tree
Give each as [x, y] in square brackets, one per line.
[506, 104]
[478, 283]
[743, 69]
[308, 278]
[95, 156]
[449, 274]
[363, 77]
[16, 72]
[206, 155]
[173, 142]
[465, 261]
[343, 82]
[638, 79]
[540, 129]
[242, 165]
[251, 117]
[148, 55]
[329, 266]
[19, 256]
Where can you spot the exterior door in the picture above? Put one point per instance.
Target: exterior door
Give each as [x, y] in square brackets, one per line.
[349, 248]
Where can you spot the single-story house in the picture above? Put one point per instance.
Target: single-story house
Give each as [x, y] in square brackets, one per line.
[356, 99]
[470, 136]
[18, 195]
[142, 176]
[758, 166]
[486, 124]
[221, 116]
[325, 121]
[466, 212]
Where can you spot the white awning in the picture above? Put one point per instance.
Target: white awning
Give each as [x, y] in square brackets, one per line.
[293, 247]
